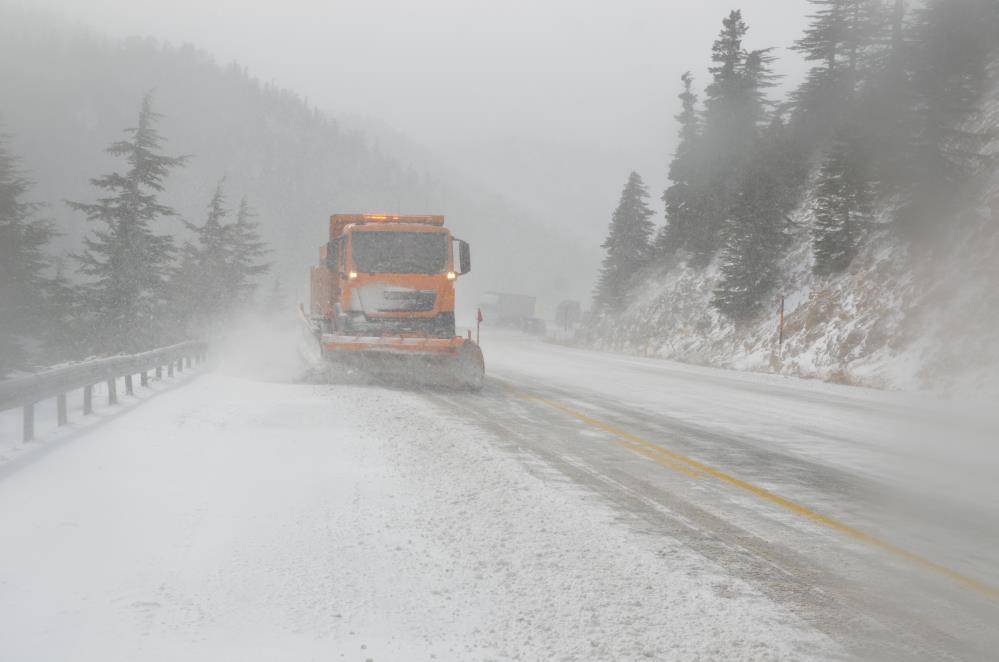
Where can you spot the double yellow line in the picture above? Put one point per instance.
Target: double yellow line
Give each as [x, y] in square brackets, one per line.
[694, 469]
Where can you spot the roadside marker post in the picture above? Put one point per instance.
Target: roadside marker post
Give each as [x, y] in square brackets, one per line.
[780, 331]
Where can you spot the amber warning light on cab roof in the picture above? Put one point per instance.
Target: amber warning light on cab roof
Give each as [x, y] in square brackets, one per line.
[410, 218]
[431, 219]
[339, 221]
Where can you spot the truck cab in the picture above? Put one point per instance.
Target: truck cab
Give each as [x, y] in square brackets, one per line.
[382, 275]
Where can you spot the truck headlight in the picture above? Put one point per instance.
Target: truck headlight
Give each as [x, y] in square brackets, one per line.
[451, 275]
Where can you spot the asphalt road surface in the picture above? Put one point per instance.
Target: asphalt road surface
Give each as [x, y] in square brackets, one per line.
[873, 515]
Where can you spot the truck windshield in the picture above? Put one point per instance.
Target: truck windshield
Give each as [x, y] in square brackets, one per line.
[399, 252]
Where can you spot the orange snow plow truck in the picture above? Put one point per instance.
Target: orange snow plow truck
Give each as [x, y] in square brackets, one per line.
[382, 300]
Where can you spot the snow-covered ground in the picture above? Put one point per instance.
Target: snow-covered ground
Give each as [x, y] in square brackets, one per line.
[234, 519]
[917, 470]
[243, 514]
[893, 436]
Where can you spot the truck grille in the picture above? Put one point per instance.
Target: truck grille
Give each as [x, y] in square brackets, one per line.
[405, 301]
[441, 326]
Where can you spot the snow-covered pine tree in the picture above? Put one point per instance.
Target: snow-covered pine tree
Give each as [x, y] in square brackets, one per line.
[125, 259]
[23, 284]
[627, 246]
[843, 204]
[247, 251]
[683, 198]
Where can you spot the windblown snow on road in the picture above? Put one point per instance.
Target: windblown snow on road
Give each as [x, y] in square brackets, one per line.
[234, 519]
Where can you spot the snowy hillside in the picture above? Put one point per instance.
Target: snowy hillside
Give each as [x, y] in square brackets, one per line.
[882, 323]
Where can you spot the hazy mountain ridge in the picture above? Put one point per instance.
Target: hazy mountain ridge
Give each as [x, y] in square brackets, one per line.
[883, 323]
[70, 91]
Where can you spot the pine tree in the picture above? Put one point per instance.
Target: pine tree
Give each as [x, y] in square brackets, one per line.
[63, 339]
[125, 259]
[757, 232]
[23, 285]
[726, 117]
[842, 38]
[627, 246]
[683, 198]
[217, 270]
[200, 283]
[957, 40]
[247, 251]
[735, 106]
[843, 205]
[734, 100]
[757, 78]
[886, 104]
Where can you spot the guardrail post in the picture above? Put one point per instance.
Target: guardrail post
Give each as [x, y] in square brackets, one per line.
[61, 409]
[58, 384]
[28, 427]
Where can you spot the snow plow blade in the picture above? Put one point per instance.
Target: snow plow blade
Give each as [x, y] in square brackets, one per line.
[446, 362]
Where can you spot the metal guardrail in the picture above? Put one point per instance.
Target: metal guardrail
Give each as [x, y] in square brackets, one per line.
[28, 391]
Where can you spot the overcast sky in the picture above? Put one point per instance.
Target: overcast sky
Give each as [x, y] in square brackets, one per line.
[549, 101]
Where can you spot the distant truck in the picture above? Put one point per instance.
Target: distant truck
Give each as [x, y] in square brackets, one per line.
[502, 309]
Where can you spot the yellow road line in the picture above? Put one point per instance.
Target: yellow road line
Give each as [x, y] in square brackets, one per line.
[692, 467]
[658, 455]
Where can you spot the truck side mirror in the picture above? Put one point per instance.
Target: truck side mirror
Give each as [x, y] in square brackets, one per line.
[464, 257]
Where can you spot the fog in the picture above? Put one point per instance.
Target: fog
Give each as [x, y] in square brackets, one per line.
[649, 365]
[549, 104]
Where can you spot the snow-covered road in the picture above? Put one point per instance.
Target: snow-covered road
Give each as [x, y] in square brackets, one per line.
[548, 517]
[866, 512]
